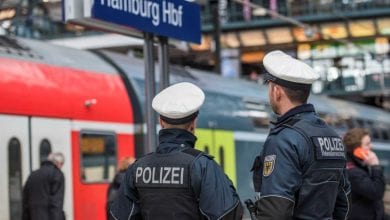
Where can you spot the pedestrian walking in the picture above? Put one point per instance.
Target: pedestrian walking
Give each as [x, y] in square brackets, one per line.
[43, 193]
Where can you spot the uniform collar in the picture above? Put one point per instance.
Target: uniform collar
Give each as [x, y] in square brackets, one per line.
[174, 139]
[294, 111]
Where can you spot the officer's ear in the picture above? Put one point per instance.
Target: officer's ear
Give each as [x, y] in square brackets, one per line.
[278, 92]
[192, 126]
[161, 123]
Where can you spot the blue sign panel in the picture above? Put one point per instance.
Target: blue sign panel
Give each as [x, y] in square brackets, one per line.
[171, 18]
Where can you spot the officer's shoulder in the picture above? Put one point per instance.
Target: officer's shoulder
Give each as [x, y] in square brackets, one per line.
[197, 153]
[288, 137]
[137, 160]
[289, 133]
[144, 156]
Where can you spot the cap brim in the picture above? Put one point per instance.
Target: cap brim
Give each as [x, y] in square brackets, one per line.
[179, 121]
[268, 77]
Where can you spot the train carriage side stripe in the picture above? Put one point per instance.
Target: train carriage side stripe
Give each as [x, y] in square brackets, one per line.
[381, 146]
[249, 136]
[120, 128]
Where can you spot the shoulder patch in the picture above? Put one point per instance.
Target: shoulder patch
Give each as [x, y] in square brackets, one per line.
[269, 164]
[329, 148]
[162, 176]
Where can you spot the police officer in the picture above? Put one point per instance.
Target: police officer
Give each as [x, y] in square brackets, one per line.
[177, 181]
[300, 173]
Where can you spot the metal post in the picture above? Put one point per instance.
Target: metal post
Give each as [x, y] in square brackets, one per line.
[163, 63]
[216, 34]
[150, 116]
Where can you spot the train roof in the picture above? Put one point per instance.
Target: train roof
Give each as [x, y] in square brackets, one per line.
[43, 52]
[75, 84]
[231, 104]
[134, 68]
[247, 92]
[347, 109]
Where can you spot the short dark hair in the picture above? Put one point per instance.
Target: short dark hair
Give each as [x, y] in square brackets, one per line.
[184, 126]
[297, 95]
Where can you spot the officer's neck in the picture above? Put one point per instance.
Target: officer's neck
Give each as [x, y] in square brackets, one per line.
[285, 107]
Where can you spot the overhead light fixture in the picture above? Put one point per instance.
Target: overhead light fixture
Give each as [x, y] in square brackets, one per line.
[252, 38]
[384, 26]
[252, 57]
[51, 1]
[205, 44]
[335, 30]
[230, 40]
[279, 35]
[361, 28]
[259, 12]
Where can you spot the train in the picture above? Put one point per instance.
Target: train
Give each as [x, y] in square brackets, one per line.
[90, 106]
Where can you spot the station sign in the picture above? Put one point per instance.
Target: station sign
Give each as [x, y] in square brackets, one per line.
[177, 19]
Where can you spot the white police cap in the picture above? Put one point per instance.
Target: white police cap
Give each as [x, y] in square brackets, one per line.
[179, 103]
[288, 71]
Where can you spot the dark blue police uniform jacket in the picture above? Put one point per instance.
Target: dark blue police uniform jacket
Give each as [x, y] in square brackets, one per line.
[174, 184]
[301, 173]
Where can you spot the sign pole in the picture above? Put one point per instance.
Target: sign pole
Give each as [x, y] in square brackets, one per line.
[163, 62]
[216, 34]
[150, 88]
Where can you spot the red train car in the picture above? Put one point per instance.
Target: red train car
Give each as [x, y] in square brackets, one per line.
[58, 99]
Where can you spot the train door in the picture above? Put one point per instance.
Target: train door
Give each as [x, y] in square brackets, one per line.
[205, 141]
[225, 153]
[220, 144]
[53, 135]
[95, 151]
[14, 157]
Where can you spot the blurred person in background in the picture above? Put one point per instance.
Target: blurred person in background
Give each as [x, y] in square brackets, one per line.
[366, 176]
[43, 193]
[115, 184]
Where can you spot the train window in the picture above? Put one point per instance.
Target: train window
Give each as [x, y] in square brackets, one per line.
[206, 149]
[98, 156]
[360, 123]
[222, 157]
[339, 123]
[370, 125]
[350, 123]
[261, 122]
[375, 133]
[15, 179]
[385, 134]
[258, 112]
[44, 150]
